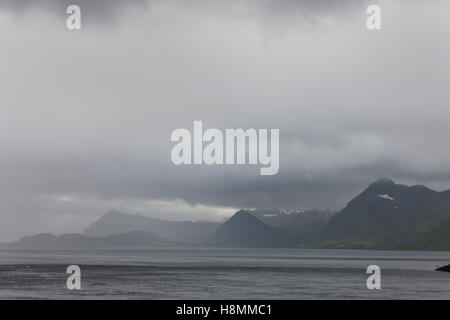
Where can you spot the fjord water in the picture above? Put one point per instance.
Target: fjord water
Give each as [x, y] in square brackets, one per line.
[214, 273]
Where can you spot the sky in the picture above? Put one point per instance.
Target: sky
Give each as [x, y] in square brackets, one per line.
[86, 115]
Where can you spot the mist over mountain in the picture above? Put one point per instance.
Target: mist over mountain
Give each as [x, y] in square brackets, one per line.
[388, 214]
[115, 222]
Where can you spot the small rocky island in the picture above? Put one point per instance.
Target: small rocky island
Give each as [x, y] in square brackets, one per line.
[444, 268]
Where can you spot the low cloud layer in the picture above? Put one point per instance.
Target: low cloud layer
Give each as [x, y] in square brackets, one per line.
[86, 116]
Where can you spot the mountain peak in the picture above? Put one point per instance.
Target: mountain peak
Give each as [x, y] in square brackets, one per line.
[384, 181]
[114, 212]
[382, 185]
[242, 216]
[116, 222]
[241, 212]
[387, 212]
[243, 229]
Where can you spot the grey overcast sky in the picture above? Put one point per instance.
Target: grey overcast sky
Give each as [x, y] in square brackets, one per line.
[86, 116]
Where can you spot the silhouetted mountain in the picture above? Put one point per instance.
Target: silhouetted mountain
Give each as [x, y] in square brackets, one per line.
[244, 230]
[134, 239]
[305, 224]
[387, 214]
[115, 222]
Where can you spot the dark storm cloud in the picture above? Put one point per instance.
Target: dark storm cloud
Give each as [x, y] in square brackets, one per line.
[95, 11]
[109, 10]
[86, 117]
[58, 5]
[122, 178]
[289, 7]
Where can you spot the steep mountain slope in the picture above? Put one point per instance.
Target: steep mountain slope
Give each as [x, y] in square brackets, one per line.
[388, 214]
[244, 230]
[115, 222]
[437, 239]
[134, 239]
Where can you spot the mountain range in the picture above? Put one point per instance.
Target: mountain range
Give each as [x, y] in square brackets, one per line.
[133, 239]
[304, 224]
[386, 215]
[178, 231]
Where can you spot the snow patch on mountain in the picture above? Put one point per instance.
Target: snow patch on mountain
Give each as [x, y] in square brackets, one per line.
[386, 196]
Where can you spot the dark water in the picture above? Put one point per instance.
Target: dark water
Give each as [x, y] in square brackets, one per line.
[223, 274]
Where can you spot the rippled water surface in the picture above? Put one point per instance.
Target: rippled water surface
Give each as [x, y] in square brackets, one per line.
[202, 273]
